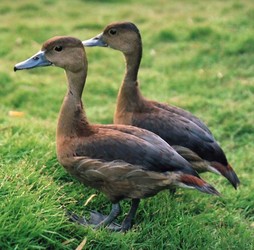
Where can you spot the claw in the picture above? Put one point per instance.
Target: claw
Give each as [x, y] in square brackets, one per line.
[75, 218]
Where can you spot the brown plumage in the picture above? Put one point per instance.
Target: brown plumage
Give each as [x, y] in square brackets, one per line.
[119, 160]
[187, 134]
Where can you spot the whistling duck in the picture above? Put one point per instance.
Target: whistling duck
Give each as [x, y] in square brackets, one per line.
[187, 134]
[123, 162]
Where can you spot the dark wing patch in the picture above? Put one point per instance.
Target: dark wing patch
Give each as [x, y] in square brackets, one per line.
[183, 113]
[177, 130]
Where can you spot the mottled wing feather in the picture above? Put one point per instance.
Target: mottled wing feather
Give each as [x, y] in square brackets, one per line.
[197, 162]
[118, 179]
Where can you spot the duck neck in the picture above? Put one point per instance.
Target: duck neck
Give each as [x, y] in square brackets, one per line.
[132, 61]
[129, 95]
[72, 120]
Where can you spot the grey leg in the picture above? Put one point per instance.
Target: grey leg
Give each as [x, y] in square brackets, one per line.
[126, 224]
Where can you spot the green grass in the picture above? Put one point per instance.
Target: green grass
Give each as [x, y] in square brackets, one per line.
[198, 55]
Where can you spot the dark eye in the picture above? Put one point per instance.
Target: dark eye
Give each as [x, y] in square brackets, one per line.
[58, 48]
[112, 31]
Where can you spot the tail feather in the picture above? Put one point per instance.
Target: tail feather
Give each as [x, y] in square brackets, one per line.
[190, 181]
[227, 172]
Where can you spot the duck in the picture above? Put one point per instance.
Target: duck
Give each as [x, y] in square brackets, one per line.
[185, 132]
[121, 161]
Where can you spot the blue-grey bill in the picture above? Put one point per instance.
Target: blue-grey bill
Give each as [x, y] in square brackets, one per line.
[37, 60]
[95, 41]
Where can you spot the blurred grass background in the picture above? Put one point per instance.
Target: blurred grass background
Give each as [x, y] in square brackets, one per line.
[198, 55]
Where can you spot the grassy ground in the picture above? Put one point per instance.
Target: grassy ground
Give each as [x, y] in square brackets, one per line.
[198, 55]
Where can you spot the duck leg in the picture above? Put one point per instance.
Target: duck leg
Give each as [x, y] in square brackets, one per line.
[97, 218]
[172, 191]
[126, 224]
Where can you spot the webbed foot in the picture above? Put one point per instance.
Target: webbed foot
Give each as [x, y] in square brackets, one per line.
[98, 220]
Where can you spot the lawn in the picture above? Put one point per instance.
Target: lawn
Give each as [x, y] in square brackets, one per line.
[198, 55]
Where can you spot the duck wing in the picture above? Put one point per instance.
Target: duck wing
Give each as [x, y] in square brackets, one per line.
[134, 146]
[184, 113]
[178, 130]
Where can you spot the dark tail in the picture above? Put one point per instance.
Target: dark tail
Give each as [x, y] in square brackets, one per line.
[227, 172]
[197, 183]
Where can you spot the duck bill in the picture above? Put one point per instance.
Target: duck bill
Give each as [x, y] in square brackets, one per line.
[37, 60]
[95, 41]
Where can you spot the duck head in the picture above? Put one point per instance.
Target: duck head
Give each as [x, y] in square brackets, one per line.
[123, 36]
[62, 51]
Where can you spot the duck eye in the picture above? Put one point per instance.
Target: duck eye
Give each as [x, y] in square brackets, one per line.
[58, 48]
[112, 31]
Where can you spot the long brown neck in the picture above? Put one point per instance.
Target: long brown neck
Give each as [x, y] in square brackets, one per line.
[132, 61]
[72, 121]
[129, 95]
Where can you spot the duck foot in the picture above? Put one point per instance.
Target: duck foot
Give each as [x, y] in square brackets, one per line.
[98, 220]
